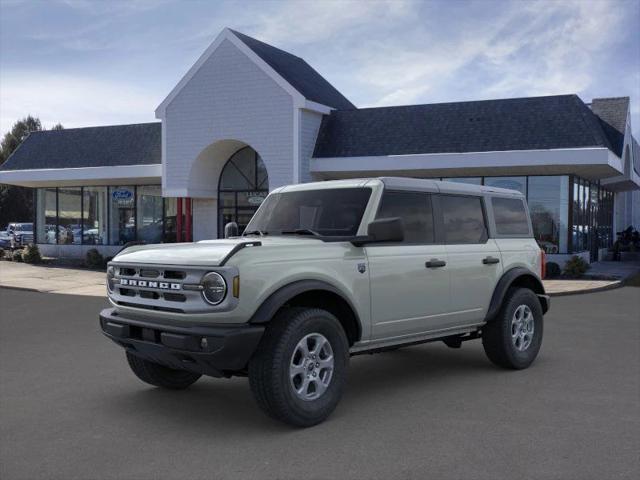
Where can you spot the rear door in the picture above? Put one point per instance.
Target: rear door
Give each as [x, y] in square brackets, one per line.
[474, 258]
[409, 280]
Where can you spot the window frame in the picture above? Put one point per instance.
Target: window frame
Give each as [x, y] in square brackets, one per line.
[432, 198]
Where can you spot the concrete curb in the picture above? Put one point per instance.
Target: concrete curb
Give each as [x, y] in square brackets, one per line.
[26, 289]
[613, 286]
[57, 292]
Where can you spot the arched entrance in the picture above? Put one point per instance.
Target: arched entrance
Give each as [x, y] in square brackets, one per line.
[244, 184]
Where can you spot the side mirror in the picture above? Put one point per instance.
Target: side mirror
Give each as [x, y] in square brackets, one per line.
[386, 230]
[231, 230]
[382, 230]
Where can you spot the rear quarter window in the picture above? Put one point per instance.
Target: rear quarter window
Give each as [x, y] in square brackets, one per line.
[510, 216]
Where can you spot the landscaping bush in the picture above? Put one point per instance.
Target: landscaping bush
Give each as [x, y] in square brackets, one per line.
[16, 256]
[1, 253]
[552, 270]
[575, 267]
[94, 259]
[31, 254]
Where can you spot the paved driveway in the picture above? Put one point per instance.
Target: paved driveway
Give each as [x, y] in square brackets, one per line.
[71, 409]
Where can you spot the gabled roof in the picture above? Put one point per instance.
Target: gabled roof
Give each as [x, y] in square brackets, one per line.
[298, 73]
[534, 123]
[292, 73]
[137, 144]
[613, 116]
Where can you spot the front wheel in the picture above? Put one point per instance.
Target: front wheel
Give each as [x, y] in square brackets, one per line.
[513, 338]
[298, 372]
[159, 375]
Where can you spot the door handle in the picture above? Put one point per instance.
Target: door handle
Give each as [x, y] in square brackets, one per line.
[435, 263]
[490, 260]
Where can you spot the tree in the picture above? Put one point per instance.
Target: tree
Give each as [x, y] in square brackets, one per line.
[16, 203]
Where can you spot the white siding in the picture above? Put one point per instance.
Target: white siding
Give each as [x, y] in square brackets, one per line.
[309, 126]
[228, 98]
[205, 214]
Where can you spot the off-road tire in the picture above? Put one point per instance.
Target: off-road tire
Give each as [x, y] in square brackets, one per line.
[269, 366]
[159, 375]
[496, 335]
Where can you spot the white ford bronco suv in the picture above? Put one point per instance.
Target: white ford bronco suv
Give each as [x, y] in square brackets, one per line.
[328, 270]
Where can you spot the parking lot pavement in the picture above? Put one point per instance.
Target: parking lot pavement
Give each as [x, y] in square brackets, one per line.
[70, 408]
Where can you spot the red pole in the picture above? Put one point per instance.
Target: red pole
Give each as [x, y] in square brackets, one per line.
[187, 220]
[179, 220]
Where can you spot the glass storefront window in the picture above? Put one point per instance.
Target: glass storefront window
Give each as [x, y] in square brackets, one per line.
[149, 214]
[122, 218]
[170, 214]
[70, 216]
[548, 201]
[512, 183]
[94, 216]
[46, 215]
[244, 184]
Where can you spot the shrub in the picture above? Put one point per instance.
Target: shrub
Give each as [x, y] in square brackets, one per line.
[1, 253]
[94, 259]
[31, 254]
[575, 267]
[16, 256]
[553, 270]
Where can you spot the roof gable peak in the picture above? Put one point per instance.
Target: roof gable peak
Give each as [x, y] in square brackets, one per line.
[292, 73]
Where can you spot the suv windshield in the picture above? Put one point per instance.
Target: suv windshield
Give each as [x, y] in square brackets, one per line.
[330, 212]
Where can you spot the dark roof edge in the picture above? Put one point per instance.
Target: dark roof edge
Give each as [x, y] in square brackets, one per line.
[466, 101]
[96, 126]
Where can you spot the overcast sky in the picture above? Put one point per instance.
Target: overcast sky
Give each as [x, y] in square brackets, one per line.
[82, 62]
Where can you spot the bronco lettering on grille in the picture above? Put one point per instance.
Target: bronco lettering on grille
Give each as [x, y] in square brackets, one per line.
[130, 282]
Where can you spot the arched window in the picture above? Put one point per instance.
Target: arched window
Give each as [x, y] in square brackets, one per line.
[243, 186]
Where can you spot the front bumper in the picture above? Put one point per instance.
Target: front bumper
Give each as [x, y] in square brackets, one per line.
[216, 351]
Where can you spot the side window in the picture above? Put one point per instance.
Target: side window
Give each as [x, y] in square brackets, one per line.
[510, 215]
[463, 219]
[415, 211]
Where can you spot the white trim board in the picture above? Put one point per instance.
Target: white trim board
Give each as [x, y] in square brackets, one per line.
[474, 161]
[61, 177]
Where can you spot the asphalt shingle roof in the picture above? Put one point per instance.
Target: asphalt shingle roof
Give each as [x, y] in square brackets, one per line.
[533, 123]
[137, 144]
[298, 73]
[613, 116]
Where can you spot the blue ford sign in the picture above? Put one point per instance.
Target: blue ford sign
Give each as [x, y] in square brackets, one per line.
[122, 194]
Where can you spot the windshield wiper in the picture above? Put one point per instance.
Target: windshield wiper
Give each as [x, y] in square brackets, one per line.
[255, 232]
[301, 231]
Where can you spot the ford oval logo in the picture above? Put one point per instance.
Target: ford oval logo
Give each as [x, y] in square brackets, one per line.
[122, 194]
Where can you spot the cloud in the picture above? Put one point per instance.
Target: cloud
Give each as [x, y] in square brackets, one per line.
[533, 48]
[296, 22]
[72, 100]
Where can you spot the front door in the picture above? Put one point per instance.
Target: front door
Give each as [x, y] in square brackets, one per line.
[409, 280]
[244, 184]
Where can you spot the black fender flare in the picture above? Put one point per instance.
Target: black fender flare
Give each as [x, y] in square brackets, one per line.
[280, 297]
[507, 279]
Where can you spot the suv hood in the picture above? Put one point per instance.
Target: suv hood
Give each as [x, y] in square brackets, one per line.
[205, 253]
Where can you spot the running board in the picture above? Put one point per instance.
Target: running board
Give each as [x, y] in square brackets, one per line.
[432, 336]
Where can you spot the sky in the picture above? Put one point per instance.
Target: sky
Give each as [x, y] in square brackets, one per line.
[103, 62]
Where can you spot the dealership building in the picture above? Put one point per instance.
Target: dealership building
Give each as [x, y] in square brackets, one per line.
[248, 118]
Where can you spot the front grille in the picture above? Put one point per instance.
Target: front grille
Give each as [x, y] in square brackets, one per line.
[154, 287]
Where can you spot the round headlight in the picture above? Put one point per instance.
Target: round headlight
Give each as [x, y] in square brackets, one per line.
[111, 272]
[215, 288]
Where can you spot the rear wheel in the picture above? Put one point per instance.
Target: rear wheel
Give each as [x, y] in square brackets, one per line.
[298, 372]
[159, 375]
[513, 338]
